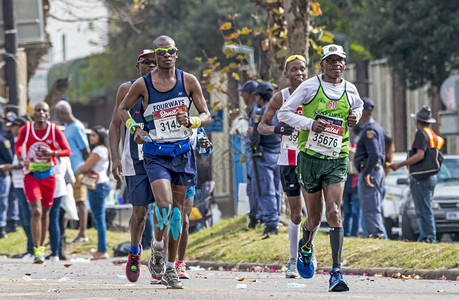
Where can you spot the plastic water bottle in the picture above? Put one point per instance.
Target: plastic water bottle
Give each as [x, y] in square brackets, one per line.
[198, 137]
[117, 197]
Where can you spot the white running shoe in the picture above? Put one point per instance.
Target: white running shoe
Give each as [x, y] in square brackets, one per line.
[292, 270]
[28, 257]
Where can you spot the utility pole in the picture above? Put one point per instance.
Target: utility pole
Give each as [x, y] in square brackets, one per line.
[10, 31]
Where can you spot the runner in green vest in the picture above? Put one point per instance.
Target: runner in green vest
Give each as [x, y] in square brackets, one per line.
[330, 106]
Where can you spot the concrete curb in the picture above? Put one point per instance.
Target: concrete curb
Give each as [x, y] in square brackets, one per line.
[444, 274]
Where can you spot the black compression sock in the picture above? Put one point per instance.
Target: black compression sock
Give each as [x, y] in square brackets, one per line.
[308, 238]
[336, 243]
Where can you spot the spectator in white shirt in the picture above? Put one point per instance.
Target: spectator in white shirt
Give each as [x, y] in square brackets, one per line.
[98, 163]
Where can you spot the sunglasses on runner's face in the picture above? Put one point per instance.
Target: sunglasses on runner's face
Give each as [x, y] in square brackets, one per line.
[162, 51]
[147, 62]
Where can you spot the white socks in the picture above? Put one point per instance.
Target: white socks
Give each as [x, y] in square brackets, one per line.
[158, 244]
[170, 264]
[293, 237]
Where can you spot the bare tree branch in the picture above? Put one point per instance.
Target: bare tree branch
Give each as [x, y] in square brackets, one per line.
[79, 19]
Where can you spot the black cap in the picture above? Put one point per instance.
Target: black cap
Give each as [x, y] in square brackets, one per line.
[249, 86]
[368, 104]
[19, 121]
[263, 88]
[10, 116]
[424, 115]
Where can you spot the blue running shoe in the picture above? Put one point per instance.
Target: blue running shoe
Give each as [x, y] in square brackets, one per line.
[337, 283]
[306, 262]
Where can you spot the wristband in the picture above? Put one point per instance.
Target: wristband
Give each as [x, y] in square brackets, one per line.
[195, 122]
[129, 122]
[133, 127]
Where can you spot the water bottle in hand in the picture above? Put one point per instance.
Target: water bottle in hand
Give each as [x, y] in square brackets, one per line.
[201, 136]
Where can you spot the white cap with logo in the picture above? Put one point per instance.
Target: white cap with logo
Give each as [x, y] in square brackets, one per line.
[332, 49]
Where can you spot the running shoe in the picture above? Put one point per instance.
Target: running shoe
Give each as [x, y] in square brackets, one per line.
[80, 239]
[100, 255]
[133, 266]
[307, 262]
[156, 263]
[181, 270]
[292, 270]
[28, 257]
[155, 280]
[39, 255]
[171, 280]
[337, 283]
[54, 258]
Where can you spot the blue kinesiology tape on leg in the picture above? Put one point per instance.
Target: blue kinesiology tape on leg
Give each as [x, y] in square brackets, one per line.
[175, 225]
[163, 218]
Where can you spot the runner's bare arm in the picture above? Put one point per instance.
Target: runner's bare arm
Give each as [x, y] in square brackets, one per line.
[273, 105]
[194, 90]
[114, 132]
[19, 142]
[302, 95]
[137, 90]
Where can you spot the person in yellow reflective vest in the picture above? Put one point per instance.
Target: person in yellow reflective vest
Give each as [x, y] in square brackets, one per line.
[422, 189]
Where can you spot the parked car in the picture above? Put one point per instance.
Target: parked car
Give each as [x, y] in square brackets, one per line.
[397, 192]
[398, 206]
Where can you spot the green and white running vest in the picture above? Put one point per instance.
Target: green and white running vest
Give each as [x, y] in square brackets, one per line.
[333, 142]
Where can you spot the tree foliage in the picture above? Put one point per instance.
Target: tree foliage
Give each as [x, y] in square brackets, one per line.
[340, 16]
[420, 38]
[193, 24]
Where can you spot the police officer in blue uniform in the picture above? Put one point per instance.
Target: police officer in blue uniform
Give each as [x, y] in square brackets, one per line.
[369, 161]
[12, 216]
[6, 157]
[249, 99]
[265, 154]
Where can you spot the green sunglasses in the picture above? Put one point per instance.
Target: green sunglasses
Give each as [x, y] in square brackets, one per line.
[162, 51]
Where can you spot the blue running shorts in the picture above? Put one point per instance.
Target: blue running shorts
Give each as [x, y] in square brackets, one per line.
[180, 170]
[139, 190]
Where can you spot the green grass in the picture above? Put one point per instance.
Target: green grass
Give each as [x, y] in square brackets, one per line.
[229, 241]
[15, 243]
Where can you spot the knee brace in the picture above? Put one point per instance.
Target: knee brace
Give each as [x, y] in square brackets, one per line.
[162, 219]
[175, 225]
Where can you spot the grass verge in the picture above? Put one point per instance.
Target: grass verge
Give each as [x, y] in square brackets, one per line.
[229, 241]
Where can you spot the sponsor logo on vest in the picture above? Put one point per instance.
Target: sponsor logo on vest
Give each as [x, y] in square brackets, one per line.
[169, 104]
[165, 114]
[331, 129]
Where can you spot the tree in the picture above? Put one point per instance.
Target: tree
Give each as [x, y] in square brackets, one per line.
[288, 33]
[420, 38]
[193, 24]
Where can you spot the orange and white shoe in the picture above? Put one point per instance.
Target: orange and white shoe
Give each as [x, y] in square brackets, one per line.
[181, 270]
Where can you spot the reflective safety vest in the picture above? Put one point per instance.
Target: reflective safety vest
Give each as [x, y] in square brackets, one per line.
[435, 141]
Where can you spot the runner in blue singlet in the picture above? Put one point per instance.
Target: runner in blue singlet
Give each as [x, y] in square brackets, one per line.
[167, 94]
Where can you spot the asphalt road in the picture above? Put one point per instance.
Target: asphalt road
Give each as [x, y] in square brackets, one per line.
[105, 279]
